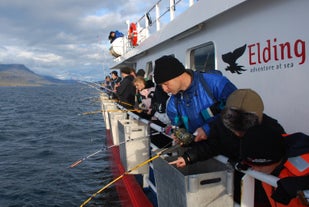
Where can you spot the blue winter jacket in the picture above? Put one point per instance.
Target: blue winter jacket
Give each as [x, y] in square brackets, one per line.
[185, 108]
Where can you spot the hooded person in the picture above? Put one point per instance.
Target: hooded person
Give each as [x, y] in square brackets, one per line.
[243, 110]
[195, 97]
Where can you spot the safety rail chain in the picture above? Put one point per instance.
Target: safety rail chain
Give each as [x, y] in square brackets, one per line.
[145, 22]
[247, 198]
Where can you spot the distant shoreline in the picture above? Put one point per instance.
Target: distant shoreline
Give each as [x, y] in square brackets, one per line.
[33, 85]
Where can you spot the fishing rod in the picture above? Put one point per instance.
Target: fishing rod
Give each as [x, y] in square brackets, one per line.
[93, 85]
[114, 110]
[107, 89]
[86, 83]
[110, 110]
[157, 155]
[99, 87]
[106, 148]
[163, 131]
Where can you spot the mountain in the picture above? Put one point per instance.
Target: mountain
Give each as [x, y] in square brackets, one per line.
[20, 75]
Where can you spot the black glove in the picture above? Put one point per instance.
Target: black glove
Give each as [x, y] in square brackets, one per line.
[288, 187]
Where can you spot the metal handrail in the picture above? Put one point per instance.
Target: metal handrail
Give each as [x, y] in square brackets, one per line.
[143, 32]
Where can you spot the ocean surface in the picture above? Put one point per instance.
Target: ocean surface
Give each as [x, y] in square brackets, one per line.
[42, 132]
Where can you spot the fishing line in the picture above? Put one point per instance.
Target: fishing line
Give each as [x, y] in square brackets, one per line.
[106, 148]
[93, 98]
[90, 85]
[165, 151]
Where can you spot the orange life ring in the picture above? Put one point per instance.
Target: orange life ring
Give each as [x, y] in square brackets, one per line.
[133, 34]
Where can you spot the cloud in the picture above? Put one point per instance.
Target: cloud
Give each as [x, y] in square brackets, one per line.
[66, 39]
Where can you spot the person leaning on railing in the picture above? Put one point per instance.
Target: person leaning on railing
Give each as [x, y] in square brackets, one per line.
[243, 110]
[125, 91]
[196, 97]
[144, 94]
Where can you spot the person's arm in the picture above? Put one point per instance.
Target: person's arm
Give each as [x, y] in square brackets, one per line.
[288, 188]
[198, 151]
[202, 150]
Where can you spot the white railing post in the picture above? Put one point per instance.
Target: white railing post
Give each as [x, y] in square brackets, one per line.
[172, 10]
[158, 25]
[126, 44]
[146, 27]
[191, 2]
[247, 191]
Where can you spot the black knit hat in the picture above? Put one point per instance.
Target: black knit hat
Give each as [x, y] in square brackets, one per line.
[262, 146]
[166, 68]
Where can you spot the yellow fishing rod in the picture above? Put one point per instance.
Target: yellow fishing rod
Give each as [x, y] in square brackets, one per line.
[165, 151]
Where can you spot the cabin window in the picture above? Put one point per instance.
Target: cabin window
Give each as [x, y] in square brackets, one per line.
[202, 58]
[149, 70]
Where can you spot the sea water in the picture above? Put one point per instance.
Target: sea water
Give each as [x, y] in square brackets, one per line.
[42, 132]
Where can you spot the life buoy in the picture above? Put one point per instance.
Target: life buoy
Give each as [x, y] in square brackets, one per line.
[133, 34]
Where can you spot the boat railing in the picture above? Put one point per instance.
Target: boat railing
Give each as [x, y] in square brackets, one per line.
[146, 25]
[155, 10]
[248, 181]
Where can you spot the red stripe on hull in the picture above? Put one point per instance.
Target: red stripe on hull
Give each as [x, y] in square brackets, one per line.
[129, 191]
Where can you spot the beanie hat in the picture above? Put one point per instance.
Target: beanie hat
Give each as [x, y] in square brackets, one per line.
[166, 68]
[262, 146]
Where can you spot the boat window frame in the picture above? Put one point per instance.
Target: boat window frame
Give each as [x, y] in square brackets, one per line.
[209, 46]
[149, 69]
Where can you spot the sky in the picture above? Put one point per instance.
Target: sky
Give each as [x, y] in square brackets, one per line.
[65, 39]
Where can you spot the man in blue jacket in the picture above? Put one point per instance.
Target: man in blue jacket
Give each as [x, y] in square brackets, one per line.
[197, 98]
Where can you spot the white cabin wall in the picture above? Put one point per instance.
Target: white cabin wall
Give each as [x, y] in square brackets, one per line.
[284, 91]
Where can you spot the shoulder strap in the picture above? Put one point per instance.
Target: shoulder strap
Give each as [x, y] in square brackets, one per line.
[206, 87]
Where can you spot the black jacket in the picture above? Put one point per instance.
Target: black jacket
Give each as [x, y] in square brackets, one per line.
[223, 141]
[126, 92]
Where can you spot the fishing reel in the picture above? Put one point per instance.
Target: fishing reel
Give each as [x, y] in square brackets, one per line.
[183, 136]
